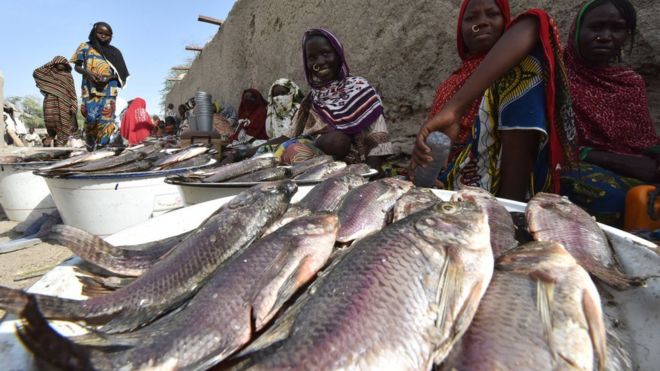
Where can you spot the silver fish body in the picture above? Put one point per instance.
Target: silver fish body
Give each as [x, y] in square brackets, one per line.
[364, 210]
[176, 277]
[237, 169]
[551, 217]
[502, 229]
[276, 173]
[85, 157]
[322, 171]
[541, 312]
[301, 167]
[397, 300]
[180, 156]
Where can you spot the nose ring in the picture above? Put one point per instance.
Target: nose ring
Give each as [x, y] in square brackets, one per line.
[598, 38]
[475, 28]
[316, 68]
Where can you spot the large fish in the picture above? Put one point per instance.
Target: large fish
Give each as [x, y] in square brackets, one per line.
[191, 162]
[85, 157]
[177, 276]
[180, 156]
[502, 229]
[397, 300]
[241, 298]
[541, 312]
[276, 173]
[323, 197]
[414, 200]
[551, 217]
[322, 171]
[236, 169]
[130, 167]
[125, 261]
[365, 209]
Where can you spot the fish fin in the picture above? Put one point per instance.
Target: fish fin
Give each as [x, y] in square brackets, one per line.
[302, 273]
[545, 291]
[448, 290]
[48, 345]
[613, 277]
[594, 316]
[92, 287]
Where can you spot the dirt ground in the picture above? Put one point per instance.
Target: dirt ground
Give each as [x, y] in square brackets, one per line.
[21, 269]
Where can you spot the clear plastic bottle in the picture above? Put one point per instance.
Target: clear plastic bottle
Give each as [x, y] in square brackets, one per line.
[440, 145]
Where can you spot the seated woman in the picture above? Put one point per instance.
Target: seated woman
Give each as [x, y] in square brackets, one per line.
[284, 98]
[501, 109]
[251, 118]
[343, 114]
[612, 116]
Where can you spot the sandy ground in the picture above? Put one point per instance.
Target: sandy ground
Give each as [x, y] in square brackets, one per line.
[21, 269]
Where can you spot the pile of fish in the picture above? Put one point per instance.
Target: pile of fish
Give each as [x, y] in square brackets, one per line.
[356, 275]
[126, 160]
[267, 168]
[41, 156]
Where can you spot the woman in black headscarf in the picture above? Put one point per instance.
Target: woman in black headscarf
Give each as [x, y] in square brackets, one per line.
[104, 72]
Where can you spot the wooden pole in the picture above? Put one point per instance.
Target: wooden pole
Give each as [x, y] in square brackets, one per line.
[194, 48]
[211, 20]
[181, 68]
[174, 80]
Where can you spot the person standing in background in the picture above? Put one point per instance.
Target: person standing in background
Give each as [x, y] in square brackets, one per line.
[55, 82]
[136, 125]
[170, 110]
[104, 72]
[32, 139]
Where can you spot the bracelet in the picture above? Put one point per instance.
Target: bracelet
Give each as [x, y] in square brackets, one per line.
[584, 152]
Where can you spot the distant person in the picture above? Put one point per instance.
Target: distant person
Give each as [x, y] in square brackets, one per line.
[616, 135]
[284, 98]
[169, 111]
[169, 128]
[136, 125]
[55, 82]
[104, 72]
[11, 135]
[32, 139]
[251, 118]
[158, 123]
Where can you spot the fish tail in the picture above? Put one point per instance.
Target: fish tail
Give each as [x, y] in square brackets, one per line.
[49, 346]
[615, 278]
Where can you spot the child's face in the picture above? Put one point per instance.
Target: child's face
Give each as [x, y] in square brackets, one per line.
[322, 59]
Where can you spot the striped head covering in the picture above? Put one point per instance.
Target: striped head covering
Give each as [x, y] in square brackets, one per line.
[348, 104]
[52, 81]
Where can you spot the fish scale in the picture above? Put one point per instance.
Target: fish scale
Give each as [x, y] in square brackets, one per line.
[372, 310]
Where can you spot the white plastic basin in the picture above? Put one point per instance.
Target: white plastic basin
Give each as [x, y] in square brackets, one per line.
[24, 195]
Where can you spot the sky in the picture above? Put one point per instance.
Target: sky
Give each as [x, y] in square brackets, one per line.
[151, 34]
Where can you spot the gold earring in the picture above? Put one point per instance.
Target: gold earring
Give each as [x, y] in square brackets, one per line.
[475, 28]
[316, 68]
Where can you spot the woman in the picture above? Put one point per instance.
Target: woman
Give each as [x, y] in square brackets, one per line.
[342, 113]
[55, 82]
[104, 71]
[284, 98]
[251, 118]
[136, 125]
[513, 141]
[612, 116]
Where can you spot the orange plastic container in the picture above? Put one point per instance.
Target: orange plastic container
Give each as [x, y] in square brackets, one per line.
[642, 208]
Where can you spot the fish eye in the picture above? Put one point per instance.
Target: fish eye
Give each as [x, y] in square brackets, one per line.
[448, 208]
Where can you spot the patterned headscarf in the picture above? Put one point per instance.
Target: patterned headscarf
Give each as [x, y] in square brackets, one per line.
[52, 81]
[610, 103]
[278, 121]
[348, 104]
[455, 82]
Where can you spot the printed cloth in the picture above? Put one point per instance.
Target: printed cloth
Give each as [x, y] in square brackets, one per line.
[60, 101]
[610, 104]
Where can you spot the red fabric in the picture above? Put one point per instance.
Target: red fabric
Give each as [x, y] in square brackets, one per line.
[610, 104]
[449, 87]
[136, 124]
[256, 112]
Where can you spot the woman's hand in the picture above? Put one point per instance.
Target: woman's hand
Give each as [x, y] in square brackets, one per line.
[445, 121]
